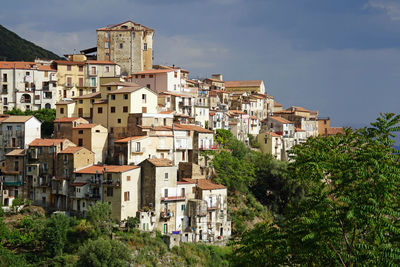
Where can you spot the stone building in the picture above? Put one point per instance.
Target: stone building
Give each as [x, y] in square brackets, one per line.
[128, 44]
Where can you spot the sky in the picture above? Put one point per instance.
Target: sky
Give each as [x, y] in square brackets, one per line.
[339, 57]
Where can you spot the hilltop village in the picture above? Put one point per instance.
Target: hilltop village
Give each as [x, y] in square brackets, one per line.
[135, 135]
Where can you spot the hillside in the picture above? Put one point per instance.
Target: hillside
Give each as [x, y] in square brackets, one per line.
[15, 48]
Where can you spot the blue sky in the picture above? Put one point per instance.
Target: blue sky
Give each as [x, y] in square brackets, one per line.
[340, 57]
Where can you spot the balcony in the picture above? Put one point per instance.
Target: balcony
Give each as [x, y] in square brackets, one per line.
[13, 180]
[112, 183]
[140, 150]
[166, 214]
[69, 85]
[210, 147]
[173, 198]
[92, 195]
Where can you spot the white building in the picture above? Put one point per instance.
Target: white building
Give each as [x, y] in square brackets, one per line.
[27, 85]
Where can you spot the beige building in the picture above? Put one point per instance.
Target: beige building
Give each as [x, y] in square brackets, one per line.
[271, 143]
[128, 44]
[117, 185]
[251, 86]
[63, 126]
[94, 137]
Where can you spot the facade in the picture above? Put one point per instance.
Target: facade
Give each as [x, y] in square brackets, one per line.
[271, 143]
[128, 44]
[18, 132]
[251, 86]
[161, 80]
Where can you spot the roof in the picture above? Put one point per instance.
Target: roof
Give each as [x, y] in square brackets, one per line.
[107, 168]
[100, 62]
[120, 84]
[46, 68]
[16, 152]
[13, 119]
[116, 25]
[65, 119]
[127, 139]
[130, 89]
[86, 126]
[300, 109]
[70, 150]
[68, 62]
[247, 83]
[205, 184]
[17, 64]
[65, 102]
[279, 119]
[191, 127]
[299, 129]
[161, 162]
[237, 111]
[273, 134]
[153, 71]
[78, 184]
[335, 130]
[166, 112]
[276, 104]
[91, 95]
[46, 142]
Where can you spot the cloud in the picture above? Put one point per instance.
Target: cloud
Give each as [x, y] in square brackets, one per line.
[189, 52]
[391, 8]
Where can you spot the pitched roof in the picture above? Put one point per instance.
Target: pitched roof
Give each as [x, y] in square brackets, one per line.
[161, 162]
[78, 184]
[128, 139]
[205, 184]
[248, 83]
[335, 130]
[279, 119]
[65, 102]
[130, 89]
[192, 127]
[86, 126]
[166, 112]
[153, 71]
[116, 25]
[276, 104]
[273, 134]
[68, 62]
[101, 62]
[17, 119]
[16, 64]
[91, 95]
[71, 150]
[16, 152]
[65, 119]
[126, 84]
[46, 142]
[107, 168]
[300, 109]
[237, 111]
[299, 129]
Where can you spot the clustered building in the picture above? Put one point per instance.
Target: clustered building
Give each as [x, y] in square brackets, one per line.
[133, 134]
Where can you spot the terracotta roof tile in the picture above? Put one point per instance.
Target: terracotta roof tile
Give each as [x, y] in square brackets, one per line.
[279, 119]
[153, 71]
[276, 104]
[91, 95]
[86, 126]
[127, 139]
[65, 119]
[17, 119]
[46, 142]
[161, 162]
[191, 128]
[70, 150]
[205, 184]
[16, 152]
[107, 168]
[248, 83]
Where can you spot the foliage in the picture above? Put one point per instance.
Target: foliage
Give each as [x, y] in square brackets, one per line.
[223, 137]
[46, 116]
[14, 48]
[99, 216]
[7, 258]
[253, 141]
[104, 252]
[132, 222]
[55, 234]
[349, 214]
[17, 202]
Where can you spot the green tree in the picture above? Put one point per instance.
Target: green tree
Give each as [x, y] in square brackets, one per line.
[99, 215]
[223, 137]
[350, 211]
[55, 233]
[104, 253]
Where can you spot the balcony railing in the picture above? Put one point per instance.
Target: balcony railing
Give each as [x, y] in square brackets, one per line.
[172, 198]
[166, 214]
[210, 147]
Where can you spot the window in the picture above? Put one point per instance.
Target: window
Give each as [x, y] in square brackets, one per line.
[80, 131]
[128, 178]
[144, 110]
[125, 96]
[100, 110]
[107, 54]
[143, 98]
[4, 77]
[68, 68]
[125, 109]
[143, 76]
[151, 76]
[137, 76]
[175, 74]
[61, 110]
[112, 97]
[137, 146]
[107, 69]
[118, 120]
[109, 191]
[107, 45]
[93, 71]
[4, 91]
[107, 34]
[112, 109]
[120, 46]
[93, 81]
[80, 101]
[40, 151]
[166, 176]
[69, 81]
[80, 68]
[183, 155]
[183, 207]
[126, 196]
[80, 142]
[133, 35]
[145, 46]
[108, 88]
[168, 99]
[148, 85]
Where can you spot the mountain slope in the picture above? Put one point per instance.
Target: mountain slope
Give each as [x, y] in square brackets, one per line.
[15, 48]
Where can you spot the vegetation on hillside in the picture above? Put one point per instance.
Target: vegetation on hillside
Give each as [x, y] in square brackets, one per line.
[15, 48]
[45, 115]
